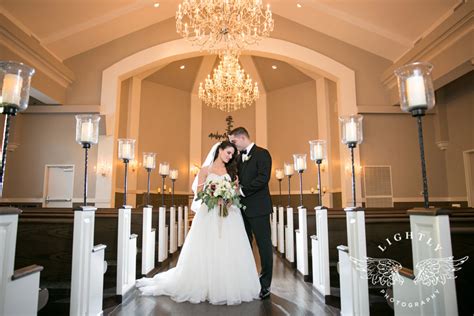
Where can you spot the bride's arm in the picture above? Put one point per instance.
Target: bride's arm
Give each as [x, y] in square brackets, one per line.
[202, 175]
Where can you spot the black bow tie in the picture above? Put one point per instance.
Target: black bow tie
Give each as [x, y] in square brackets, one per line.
[243, 152]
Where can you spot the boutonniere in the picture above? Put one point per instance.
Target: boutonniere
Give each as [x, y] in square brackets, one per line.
[246, 158]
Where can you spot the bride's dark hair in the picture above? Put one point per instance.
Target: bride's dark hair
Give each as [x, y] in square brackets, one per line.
[231, 166]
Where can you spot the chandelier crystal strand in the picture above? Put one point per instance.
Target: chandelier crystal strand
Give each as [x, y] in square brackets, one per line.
[230, 88]
[224, 25]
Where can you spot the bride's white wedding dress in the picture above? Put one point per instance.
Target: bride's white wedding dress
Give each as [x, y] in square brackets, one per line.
[216, 263]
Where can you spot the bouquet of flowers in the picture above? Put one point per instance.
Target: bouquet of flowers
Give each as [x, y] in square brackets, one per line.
[221, 193]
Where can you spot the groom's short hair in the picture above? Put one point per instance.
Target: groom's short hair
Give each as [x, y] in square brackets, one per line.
[239, 131]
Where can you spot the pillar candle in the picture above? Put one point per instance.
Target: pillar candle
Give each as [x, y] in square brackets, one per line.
[279, 174]
[87, 132]
[149, 162]
[11, 91]
[164, 169]
[318, 152]
[174, 174]
[300, 164]
[126, 151]
[351, 132]
[416, 93]
[289, 170]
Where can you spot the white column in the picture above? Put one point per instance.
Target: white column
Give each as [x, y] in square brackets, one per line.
[431, 240]
[320, 253]
[148, 241]
[186, 221]
[289, 237]
[196, 113]
[180, 226]
[126, 252]
[281, 230]
[302, 242]
[173, 230]
[356, 297]
[88, 266]
[18, 295]
[162, 253]
[324, 132]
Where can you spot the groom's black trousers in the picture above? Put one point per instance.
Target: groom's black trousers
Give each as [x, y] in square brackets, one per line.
[260, 227]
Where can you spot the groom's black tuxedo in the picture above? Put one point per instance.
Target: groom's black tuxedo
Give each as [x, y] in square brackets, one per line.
[254, 175]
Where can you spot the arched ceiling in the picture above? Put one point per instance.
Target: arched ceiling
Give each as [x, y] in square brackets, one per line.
[387, 28]
[274, 74]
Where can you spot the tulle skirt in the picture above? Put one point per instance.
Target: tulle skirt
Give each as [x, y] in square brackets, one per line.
[216, 263]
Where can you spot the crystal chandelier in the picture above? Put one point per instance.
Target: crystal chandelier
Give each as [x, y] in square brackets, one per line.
[223, 25]
[229, 89]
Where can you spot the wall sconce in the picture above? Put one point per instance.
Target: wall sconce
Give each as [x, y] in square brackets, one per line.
[103, 168]
[133, 164]
[324, 166]
[194, 169]
[357, 168]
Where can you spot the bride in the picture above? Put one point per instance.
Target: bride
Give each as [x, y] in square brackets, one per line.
[216, 263]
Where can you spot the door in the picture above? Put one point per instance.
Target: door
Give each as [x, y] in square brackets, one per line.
[58, 186]
[469, 175]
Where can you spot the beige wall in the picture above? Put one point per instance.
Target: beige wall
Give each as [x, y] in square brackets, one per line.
[459, 101]
[164, 129]
[45, 139]
[392, 139]
[214, 121]
[335, 138]
[292, 122]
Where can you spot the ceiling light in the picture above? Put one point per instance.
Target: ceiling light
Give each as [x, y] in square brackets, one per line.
[182, 67]
[229, 88]
[219, 26]
[298, 5]
[274, 67]
[156, 4]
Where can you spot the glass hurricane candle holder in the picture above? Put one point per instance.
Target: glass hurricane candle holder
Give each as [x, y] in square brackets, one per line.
[351, 130]
[415, 87]
[87, 134]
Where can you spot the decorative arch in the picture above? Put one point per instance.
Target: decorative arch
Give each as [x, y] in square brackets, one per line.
[167, 52]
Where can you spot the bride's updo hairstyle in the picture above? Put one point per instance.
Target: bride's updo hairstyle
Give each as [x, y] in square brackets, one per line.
[231, 166]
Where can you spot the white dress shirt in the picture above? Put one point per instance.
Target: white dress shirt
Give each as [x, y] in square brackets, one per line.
[244, 158]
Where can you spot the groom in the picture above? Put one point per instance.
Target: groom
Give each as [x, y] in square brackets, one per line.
[255, 168]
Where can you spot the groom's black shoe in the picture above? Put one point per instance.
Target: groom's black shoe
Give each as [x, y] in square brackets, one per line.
[264, 293]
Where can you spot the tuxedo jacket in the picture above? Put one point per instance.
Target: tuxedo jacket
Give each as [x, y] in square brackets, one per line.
[254, 175]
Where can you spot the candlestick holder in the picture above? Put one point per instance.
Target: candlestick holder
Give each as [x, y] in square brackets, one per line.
[163, 178]
[173, 177]
[15, 78]
[318, 154]
[164, 172]
[351, 133]
[149, 163]
[416, 92]
[289, 171]
[279, 176]
[126, 152]
[300, 166]
[87, 134]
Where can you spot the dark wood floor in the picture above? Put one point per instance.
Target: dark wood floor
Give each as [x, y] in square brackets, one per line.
[290, 296]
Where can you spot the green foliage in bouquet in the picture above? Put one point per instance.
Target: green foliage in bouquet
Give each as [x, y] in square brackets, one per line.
[221, 194]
